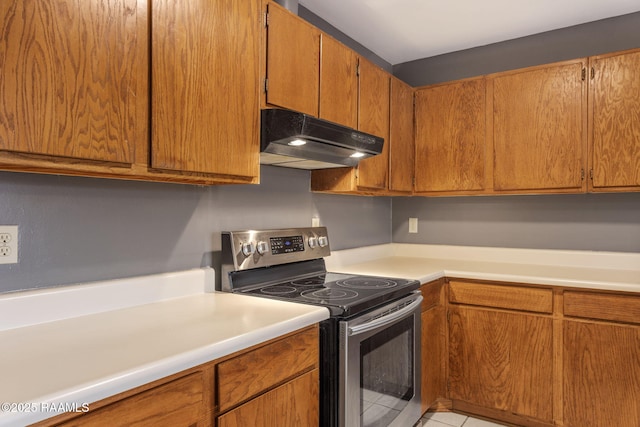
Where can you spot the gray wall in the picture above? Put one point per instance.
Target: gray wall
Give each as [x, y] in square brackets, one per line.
[74, 229]
[607, 35]
[585, 222]
[594, 222]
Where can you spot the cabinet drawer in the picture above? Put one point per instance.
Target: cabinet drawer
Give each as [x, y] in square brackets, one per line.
[501, 296]
[259, 370]
[295, 403]
[178, 403]
[594, 305]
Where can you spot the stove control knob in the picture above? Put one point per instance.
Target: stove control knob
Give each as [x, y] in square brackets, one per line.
[323, 241]
[262, 247]
[313, 242]
[248, 248]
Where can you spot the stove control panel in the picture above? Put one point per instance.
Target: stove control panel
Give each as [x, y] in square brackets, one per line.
[243, 250]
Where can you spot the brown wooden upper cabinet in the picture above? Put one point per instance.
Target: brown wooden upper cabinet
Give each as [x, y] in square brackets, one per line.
[308, 71]
[401, 138]
[373, 117]
[293, 61]
[338, 83]
[539, 128]
[615, 121]
[371, 176]
[205, 90]
[451, 148]
[81, 105]
[66, 96]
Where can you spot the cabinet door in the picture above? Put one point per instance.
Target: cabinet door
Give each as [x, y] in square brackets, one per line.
[373, 118]
[615, 90]
[539, 132]
[401, 142]
[205, 97]
[293, 62]
[601, 375]
[69, 80]
[180, 403]
[433, 344]
[450, 137]
[338, 83]
[293, 404]
[501, 360]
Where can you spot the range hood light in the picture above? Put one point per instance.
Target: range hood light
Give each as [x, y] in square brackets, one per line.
[357, 154]
[297, 142]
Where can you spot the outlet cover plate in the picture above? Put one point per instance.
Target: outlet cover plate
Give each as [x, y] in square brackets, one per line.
[9, 244]
[413, 225]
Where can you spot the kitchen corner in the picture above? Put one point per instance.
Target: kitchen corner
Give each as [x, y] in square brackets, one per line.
[610, 271]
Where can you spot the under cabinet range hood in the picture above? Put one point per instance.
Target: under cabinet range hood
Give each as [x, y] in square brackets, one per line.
[296, 140]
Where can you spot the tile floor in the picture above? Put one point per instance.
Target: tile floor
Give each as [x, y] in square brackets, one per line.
[451, 419]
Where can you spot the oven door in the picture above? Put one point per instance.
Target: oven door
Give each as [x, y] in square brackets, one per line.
[379, 382]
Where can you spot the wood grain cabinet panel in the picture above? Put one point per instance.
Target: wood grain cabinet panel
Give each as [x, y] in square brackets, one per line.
[252, 373]
[502, 361]
[338, 83]
[501, 296]
[433, 344]
[451, 148]
[371, 176]
[401, 141]
[205, 80]
[69, 83]
[539, 129]
[373, 118]
[615, 94]
[601, 374]
[293, 61]
[180, 403]
[623, 308]
[293, 404]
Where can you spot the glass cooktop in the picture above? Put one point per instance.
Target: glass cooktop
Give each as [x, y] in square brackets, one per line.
[343, 294]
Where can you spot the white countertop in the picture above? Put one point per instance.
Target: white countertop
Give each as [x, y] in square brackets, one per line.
[83, 343]
[87, 358]
[583, 269]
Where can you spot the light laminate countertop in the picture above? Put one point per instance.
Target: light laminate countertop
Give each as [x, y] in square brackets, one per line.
[581, 269]
[87, 358]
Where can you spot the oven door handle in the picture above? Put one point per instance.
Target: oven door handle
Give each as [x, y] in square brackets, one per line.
[387, 319]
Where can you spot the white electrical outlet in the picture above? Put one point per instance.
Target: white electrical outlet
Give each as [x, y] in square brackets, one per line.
[413, 225]
[8, 244]
[315, 221]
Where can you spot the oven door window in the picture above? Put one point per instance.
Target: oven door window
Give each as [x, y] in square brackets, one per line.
[386, 374]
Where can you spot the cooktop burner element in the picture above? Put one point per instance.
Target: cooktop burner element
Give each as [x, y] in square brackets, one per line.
[328, 294]
[288, 265]
[367, 283]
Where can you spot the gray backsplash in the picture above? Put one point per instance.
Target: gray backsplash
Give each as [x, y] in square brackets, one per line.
[594, 222]
[75, 230]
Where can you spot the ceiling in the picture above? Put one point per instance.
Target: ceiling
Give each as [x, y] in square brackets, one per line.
[403, 30]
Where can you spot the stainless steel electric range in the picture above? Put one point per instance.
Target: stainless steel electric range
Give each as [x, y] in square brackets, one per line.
[370, 345]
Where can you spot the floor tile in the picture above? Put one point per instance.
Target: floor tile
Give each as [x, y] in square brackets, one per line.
[433, 423]
[448, 418]
[474, 422]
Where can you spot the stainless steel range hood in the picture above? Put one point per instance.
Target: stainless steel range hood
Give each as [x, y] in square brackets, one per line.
[297, 140]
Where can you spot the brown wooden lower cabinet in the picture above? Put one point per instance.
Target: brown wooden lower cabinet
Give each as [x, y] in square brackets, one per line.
[268, 396]
[501, 360]
[529, 355]
[180, 402]
[295, 403]
[434, 345]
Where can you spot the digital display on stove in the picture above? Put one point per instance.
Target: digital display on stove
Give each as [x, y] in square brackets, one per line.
[286, 245]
